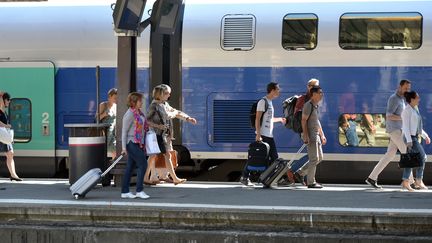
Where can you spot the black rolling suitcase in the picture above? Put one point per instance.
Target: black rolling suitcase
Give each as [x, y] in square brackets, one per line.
[277, 169]
[89, 180]
[258, 153]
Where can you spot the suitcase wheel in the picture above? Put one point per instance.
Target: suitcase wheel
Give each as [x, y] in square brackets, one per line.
[76, 196]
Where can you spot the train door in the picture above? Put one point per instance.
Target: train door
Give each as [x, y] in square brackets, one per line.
[31, 114]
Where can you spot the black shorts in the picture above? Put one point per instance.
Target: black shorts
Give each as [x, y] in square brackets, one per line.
[5, 147]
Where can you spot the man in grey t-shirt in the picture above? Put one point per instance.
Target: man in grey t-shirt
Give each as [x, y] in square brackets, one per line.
[395, 106]
[313, 136]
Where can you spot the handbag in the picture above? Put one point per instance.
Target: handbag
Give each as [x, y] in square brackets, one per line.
[410, 160]
[151, 143]
[160, 160]
[6, 135]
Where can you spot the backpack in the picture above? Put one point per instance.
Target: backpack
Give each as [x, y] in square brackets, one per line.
[293, 117]
[253, 111]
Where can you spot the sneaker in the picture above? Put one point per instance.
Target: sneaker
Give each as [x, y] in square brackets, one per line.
[285, 182]
[373, 183]
[315, 185]
[128, 195]
[246, 181]
[300, 178]
[142, 195]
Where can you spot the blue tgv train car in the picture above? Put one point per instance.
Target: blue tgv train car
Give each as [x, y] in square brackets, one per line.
[229, 50]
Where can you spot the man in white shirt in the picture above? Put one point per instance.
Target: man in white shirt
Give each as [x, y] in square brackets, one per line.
[264, 130]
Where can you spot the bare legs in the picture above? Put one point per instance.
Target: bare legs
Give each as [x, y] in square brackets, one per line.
[11, 164]
[170, 167]
[150, 174]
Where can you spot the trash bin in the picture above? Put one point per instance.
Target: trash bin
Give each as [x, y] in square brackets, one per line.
[87, 149]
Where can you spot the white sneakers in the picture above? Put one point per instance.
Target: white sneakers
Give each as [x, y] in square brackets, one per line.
[131, 195]
[128, 195]
[142, 195]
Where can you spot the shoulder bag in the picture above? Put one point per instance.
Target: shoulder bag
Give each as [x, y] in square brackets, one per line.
[411, 159]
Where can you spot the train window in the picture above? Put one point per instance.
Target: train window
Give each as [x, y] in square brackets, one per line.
[380, 31]
[238, 32]
[362, 130]
[20, 119]
[299, 31]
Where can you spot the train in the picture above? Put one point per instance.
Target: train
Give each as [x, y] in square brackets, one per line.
[228, 51]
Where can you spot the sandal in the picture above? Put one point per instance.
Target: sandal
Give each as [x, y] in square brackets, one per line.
[151, 183]
[168, 180]
[180, 182]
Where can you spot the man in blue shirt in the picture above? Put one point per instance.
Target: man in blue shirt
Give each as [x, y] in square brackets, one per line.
[395, 106]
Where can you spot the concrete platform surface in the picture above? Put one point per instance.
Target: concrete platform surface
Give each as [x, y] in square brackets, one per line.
[221, 210]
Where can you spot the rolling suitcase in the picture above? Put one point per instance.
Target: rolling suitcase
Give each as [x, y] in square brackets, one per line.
[299, 163]
[258, 153]
[89, 180]
[277, 169]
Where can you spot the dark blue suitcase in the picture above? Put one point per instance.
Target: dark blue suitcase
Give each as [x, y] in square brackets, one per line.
[299, 163]
[258, 153]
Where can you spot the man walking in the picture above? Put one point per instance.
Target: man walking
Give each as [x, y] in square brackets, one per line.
[313, 136]
[395, 106]
[264, 131]
[290, 176]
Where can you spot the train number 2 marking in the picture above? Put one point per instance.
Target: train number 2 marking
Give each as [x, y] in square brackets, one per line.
[45, 118]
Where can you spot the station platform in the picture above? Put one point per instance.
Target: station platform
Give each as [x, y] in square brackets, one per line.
[38, 210]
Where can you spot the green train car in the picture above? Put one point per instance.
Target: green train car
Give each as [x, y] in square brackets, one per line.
[32, 115]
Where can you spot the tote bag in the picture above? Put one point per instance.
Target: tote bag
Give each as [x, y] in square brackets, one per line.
[160, 160]
[6, 135]
[151, 143]
[410, 160]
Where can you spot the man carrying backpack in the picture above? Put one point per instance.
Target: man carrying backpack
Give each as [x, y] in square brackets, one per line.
[264, 126]
[298, 109]
[313, 136]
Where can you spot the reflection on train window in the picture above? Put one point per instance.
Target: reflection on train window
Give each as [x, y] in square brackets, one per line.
[299, 31]
[20, 119]
[380, 31]
[362, 130]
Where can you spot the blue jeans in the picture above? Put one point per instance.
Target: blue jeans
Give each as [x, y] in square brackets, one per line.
[136, 156]
[419, 170]
[351, 134]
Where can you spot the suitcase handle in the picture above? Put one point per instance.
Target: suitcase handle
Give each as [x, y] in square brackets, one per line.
[294, 155]
[112, 165]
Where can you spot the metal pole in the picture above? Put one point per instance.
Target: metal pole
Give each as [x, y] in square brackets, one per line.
[97, 93]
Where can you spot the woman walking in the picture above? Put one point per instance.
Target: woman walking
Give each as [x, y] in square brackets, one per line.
[134, 128]
[160, 114]
[412, 128]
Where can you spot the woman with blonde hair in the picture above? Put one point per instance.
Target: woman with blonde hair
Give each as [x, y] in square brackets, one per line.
[160, 114]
